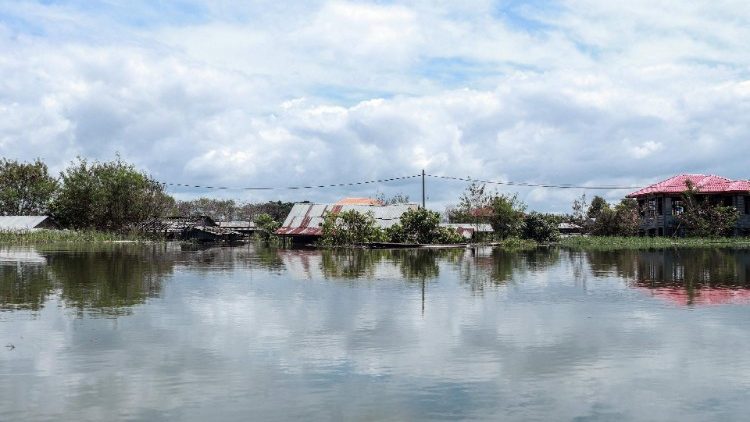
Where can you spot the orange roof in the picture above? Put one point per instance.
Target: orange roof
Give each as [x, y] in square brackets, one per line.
[359, 201]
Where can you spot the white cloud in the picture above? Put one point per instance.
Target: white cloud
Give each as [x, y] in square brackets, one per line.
[598, 93]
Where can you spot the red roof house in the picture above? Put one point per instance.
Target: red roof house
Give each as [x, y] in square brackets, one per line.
[661, 202]
[705, 184]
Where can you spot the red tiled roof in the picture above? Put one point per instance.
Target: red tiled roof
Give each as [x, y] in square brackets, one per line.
[704, 184]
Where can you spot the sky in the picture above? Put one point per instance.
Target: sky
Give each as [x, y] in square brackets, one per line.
[273, 93]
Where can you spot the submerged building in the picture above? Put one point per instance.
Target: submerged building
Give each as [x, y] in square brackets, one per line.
[662, 202]
[305, 220]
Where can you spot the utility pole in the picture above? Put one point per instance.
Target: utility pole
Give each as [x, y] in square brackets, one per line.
[423, 202]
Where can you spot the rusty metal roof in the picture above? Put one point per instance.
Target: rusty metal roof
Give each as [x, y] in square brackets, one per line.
[704, 184]
[307, 219]
[359, 201]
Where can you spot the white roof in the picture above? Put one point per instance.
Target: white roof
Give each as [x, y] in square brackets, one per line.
[306, 219]
[236, 224]
[21, 222]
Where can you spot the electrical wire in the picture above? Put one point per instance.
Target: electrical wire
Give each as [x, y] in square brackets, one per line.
[539, 185]
[391, 179]
[294, 187]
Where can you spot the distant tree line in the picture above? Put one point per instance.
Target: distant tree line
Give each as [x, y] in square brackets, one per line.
[228, 210]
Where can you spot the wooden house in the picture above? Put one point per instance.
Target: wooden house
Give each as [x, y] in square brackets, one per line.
[661, 203]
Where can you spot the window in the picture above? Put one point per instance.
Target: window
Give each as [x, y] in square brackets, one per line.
[747, 204]
[728, 201]
[677, 207]
[660, 206]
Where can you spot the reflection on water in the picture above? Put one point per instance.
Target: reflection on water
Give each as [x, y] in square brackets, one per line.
[24, 280]
[163, 332]
[687, 277]
[111, 279]
[104, 279]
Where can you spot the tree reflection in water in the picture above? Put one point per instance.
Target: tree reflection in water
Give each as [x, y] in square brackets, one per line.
[24, 280]
[102, 280]
[486, 267]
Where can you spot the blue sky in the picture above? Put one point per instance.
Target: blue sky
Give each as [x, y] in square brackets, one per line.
[289, 93]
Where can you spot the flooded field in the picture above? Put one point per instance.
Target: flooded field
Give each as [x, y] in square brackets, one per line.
[134, 332]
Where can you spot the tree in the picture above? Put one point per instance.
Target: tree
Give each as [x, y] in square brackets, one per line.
[474, 205]
[422, 226]
[580, 211]
[621, 220]
[398, 198]
[596, 207]
[507, 215]
[349, 228]
[700, 218]
[276, 209]
[219, 210]
[25, 188]
[540, 227]
[109, 196]
[267, 225]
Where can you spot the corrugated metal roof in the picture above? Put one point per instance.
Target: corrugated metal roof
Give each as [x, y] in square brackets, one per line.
[467, 230]
[21, 222]
[481, 227]
[704, 184]
[307, 219]
[236, 224]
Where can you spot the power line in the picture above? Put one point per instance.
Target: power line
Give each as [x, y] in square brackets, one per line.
[539, 185]
[391, 179]
[294, 187]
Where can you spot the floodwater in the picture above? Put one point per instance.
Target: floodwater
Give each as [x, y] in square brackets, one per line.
[154, 332]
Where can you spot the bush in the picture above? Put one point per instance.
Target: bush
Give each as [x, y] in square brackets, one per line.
[448, 236]
[267, 226]
[350, 228]
[622, 220]
[507, 216]
[540, 227]
[420, 225]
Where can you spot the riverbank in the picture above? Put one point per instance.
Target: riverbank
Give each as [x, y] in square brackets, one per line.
[597, 242]
[65, 236]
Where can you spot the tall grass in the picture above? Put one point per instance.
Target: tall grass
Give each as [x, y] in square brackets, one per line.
[513, 243]
[63, 236]
[600, 242]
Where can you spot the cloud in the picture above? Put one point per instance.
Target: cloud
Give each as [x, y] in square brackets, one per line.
[261, 95]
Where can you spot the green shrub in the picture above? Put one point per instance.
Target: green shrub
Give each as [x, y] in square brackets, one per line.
[350, 228]
[540, 227]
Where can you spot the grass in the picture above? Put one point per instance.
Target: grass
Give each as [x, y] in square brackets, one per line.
[512, 243]
[62, 236]
[598, 242]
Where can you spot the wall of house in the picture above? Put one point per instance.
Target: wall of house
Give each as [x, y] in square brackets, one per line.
[664, 222]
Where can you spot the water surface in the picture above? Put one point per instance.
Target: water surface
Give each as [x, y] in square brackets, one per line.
[155, 332]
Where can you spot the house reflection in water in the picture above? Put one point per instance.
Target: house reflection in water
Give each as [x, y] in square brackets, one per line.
[685, 277]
